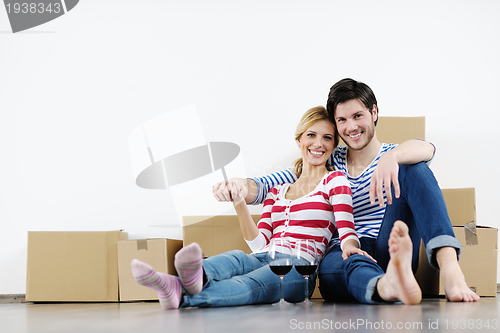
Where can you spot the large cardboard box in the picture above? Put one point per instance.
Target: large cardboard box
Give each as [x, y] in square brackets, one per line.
[478, 262]
[73, 266]
[215, 234]
[461, 205]
[159, 253]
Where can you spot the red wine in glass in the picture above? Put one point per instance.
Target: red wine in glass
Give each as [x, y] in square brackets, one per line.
[280, 261]
[281, 270]
[306, 270]
[306, 261]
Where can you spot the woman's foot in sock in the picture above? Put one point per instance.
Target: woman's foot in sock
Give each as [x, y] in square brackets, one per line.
[168, 287]
[189, 265]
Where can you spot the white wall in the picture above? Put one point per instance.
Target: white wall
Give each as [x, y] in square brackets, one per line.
[72, 90]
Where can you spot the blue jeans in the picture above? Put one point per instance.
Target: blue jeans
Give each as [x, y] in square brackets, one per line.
[421, 206]
[236, 278]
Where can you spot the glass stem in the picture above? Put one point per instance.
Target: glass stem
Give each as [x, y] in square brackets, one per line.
[307, 288]
[281, 288]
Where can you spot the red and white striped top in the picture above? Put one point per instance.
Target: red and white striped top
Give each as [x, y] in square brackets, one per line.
[316, 215]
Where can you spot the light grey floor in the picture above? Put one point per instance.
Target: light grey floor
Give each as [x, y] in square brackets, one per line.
[432, 315]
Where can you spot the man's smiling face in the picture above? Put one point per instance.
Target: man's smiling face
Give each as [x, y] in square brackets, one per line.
[355, 123]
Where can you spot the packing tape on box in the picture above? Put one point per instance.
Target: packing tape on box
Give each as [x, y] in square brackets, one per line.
[142, 244]
[470, 233]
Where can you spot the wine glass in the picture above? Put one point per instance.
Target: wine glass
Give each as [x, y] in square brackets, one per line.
[280, 261]
[305, 262]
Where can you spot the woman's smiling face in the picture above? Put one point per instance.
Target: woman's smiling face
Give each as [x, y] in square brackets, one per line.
[317, 143]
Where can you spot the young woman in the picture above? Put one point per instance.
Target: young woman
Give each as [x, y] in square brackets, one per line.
[318, 204]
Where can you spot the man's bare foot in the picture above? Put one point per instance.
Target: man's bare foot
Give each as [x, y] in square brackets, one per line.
[399, 283]
[455, 287]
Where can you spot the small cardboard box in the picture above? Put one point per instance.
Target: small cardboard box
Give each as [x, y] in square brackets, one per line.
[215, 234]
[461, 205]
[478, 261]
[73, 266]
[159, 253]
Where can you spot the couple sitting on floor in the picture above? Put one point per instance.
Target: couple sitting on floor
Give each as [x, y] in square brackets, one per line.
[368, 253]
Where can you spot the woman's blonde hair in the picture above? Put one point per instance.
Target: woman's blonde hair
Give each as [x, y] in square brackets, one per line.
[309, 118]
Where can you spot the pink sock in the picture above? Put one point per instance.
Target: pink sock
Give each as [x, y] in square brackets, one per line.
[189, 265]
[168, 287]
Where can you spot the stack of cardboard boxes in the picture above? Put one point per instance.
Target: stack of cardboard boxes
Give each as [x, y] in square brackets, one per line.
[478, 259]
[95, 266]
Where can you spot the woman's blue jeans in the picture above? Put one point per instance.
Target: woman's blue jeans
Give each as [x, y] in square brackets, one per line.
[421, 206]
[236, 278]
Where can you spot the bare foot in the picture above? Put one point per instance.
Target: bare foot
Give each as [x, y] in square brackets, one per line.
[455, 287]
[399, 283]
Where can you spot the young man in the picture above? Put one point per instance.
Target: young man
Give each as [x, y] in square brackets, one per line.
[414, 197]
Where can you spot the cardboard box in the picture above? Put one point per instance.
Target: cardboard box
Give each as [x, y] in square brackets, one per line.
[73, 266]
[461, 205]
[159, 253]
[215, 234]
[478, 262]
[399, 129]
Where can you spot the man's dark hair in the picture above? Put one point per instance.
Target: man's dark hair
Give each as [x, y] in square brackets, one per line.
[347, 89]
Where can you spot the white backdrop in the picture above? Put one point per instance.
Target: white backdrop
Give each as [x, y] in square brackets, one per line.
[72, 90]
